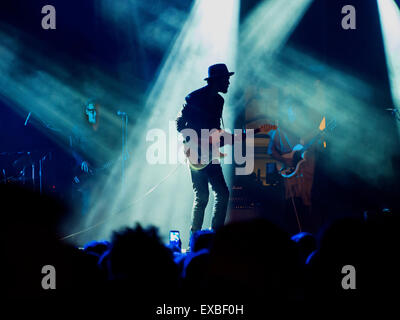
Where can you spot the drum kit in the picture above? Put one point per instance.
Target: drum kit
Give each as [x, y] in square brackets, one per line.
[24, 168]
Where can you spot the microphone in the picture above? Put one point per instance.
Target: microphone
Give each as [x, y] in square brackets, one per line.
[27, 118]
[121, 113]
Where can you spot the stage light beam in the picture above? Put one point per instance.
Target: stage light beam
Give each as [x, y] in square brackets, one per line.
[390, 25]
[208, 36]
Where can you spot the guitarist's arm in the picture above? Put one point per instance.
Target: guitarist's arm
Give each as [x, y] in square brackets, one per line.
[74, 148]
[83, 164]
[188, 115]
[182, 119]
[276, 155]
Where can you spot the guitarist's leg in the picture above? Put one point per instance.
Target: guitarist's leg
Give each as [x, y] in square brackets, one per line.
[201, 194]
[221, 195]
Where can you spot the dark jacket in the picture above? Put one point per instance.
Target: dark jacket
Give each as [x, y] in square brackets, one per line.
[203, 110]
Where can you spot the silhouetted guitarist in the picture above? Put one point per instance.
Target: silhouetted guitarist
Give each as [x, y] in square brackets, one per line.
[203, 110]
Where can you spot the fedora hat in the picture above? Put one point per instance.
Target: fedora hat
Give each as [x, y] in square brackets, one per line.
[218, 70]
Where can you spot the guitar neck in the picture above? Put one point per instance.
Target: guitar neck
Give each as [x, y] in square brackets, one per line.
[258, 130]
[329, 127]
[312, 141]
[243, 136]
[265, 128]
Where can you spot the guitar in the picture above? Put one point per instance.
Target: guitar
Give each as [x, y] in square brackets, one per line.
[81, 176]
[203, 160]
[298, 156]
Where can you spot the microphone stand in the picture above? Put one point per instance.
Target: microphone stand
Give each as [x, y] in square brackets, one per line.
[124, 148]
[395, 112]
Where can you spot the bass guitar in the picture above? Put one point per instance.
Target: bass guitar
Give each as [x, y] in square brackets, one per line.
[298, 156]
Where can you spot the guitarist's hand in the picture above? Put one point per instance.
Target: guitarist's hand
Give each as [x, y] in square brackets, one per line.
[291, 163]
[85, 167]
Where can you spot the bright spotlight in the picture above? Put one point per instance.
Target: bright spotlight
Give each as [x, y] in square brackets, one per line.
[265, 31]
[390, 24]
[269, 26]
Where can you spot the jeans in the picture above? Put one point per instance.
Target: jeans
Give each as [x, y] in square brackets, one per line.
[211, 174]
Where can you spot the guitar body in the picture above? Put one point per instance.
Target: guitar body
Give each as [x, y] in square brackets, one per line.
[202, 161]
[197, 167]
[83, 179]
[295, 160]
[200, 166]
[298, 156]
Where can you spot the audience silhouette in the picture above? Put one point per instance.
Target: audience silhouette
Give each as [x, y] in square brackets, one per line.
[243, 262]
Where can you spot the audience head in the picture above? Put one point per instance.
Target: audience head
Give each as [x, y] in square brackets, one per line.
[138, 259]
[96, 247]
[252, 257]
[202, 239]
[305, 243]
